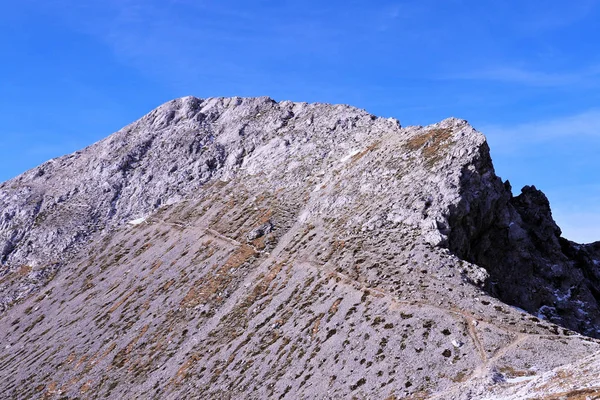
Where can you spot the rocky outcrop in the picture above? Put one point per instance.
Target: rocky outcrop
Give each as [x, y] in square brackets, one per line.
[314, 248]
[518, 243]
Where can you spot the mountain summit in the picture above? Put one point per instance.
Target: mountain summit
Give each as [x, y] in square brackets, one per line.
[245, 248]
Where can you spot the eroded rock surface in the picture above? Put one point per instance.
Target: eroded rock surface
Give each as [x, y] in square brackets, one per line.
[246, 248]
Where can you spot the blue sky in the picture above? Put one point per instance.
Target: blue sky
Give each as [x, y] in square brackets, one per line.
[526, 73]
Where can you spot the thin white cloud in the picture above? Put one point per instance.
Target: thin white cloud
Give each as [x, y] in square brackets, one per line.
[585, 124]
[394, 13]
[589, 77]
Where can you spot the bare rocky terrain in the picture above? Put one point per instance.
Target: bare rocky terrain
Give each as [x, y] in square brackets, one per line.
[244, 248]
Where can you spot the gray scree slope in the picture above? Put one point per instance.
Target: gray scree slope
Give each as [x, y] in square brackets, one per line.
[235, 248]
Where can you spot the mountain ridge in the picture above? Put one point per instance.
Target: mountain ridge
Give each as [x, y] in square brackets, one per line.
[331, 193]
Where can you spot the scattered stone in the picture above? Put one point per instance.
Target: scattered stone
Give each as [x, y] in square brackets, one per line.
[382, 240]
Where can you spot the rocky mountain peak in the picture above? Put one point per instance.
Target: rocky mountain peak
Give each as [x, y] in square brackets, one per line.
[272, 218]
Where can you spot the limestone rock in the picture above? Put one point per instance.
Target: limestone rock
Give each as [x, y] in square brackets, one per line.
[244, 248]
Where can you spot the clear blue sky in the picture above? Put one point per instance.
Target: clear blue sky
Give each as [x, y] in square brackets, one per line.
[526, 73]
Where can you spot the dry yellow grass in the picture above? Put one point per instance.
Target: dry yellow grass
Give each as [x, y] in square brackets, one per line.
[213, 283]
[434, 140]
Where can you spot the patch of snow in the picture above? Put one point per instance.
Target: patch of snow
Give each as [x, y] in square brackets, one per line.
[350, 155]
[303, 217]
[564, 297]
[137, 221]
[546, 310]
[520, 379]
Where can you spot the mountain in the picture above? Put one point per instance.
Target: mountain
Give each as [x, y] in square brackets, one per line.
[245, 248]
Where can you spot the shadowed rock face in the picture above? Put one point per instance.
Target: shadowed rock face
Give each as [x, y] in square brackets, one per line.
[229, 248]
[530, 266]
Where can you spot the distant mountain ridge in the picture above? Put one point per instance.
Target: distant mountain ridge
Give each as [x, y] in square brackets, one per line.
[282, 215]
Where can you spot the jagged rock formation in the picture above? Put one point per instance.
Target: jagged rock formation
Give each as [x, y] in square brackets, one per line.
[247, 248]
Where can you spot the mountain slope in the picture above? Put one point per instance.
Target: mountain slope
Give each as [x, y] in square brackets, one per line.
[309, 247]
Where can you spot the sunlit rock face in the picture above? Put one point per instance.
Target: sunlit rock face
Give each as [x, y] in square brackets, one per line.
[244, 248]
